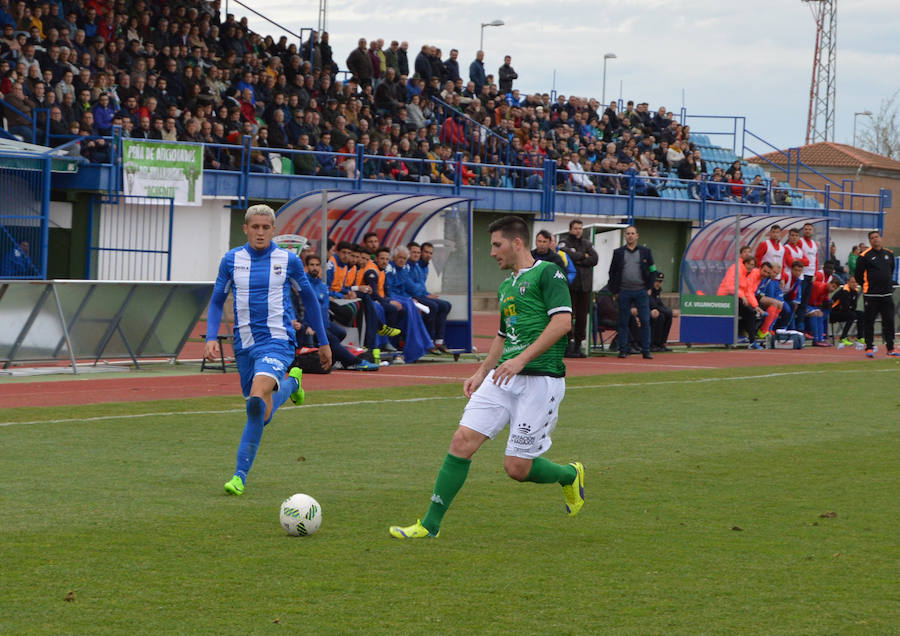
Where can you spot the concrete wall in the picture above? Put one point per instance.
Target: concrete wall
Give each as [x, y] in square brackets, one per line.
[200, 236]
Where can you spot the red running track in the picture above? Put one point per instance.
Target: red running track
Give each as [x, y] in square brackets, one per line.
[94, 390]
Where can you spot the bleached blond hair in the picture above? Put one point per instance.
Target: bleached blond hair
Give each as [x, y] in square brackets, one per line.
[259, 210]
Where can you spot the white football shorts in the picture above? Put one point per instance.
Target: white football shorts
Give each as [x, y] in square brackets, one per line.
[529, 403]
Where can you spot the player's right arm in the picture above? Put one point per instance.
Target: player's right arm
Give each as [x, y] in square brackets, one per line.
[472, 383]
[216, 307]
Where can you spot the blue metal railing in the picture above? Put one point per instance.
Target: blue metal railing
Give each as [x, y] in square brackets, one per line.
[528, 172]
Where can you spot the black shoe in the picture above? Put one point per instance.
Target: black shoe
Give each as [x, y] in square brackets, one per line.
[665, 348]
[654, 348]
[647, 356]
[622, 354]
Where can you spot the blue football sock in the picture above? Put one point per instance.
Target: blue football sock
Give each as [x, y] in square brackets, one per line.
[288, 386]
[253, 430]
[817, 328]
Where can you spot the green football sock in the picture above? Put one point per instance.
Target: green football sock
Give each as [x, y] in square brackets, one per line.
[543, 471]
[450, 479]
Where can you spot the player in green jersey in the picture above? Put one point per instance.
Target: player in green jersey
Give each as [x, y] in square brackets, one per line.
[521, 382]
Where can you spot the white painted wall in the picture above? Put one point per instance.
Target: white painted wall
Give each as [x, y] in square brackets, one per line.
[199, 239]
[61, 214]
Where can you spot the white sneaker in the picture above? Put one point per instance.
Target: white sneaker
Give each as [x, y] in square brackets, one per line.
[398, 360]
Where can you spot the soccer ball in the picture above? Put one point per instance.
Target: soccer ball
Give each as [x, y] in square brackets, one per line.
[301, 515]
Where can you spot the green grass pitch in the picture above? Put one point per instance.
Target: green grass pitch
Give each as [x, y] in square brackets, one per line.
[760, 501]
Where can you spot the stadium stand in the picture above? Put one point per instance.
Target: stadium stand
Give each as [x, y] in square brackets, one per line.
[77, 70]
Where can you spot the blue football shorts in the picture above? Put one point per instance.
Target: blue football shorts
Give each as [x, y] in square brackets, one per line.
[269, 358]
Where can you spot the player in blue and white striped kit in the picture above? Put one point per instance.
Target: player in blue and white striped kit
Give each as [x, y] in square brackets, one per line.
[260, 275]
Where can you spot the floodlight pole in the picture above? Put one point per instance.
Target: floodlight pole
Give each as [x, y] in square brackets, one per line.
[606, 56]
[493, 23]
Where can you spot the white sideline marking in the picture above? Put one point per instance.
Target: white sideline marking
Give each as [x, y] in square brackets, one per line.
[130, 416]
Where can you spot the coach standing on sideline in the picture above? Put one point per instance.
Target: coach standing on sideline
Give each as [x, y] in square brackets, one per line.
[582, 254]
[875, 272]
[631, 275]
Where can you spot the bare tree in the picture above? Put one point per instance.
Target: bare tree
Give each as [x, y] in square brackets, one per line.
[882, 132]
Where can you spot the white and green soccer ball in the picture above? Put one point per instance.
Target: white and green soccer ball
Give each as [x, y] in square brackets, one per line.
[301, 515]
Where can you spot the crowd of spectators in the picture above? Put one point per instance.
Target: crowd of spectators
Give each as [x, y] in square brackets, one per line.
[183, 73]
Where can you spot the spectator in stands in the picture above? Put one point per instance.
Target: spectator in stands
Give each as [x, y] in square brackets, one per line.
[360, 65]
[452, 66]
[577, 177]
[735, 190]
[660, 317]
[506, 74]
[18, 117]
[675, 155]
[582, 254]
[631, 275]
[103, 115]
[403, 58]
[756, 191]
[476, 72]
[327, 164]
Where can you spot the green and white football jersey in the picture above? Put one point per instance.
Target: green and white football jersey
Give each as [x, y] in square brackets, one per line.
[527, 301]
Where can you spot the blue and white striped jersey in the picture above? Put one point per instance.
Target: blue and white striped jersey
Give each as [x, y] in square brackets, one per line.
[260, 283]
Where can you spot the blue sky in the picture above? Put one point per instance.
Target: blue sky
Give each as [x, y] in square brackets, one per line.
[751, 58]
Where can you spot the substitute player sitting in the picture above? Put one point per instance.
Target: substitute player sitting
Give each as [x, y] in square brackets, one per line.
[259, 275]
[521, 382]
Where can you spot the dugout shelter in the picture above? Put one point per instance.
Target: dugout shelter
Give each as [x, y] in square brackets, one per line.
[706, 317]
[397, 218]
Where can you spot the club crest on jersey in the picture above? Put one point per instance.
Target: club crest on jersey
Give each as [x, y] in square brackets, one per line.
[523, 287]
[276, 269]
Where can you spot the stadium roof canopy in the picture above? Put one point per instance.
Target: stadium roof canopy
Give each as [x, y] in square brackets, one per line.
[395, 217]
[716, 240]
